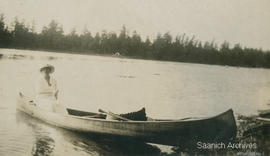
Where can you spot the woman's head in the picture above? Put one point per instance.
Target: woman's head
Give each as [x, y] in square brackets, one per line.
[47, 69]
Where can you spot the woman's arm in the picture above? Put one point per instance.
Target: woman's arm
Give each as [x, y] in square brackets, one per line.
[56, 94]
[56, 91]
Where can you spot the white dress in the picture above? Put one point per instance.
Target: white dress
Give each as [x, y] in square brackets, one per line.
[45, 94]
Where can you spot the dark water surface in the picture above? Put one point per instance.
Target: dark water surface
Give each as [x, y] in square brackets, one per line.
[165, 89]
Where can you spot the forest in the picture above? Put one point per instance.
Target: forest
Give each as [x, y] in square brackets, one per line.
[180, 48]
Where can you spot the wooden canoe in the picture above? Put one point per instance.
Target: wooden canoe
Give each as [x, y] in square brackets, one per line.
[188, 131]
[264, 120]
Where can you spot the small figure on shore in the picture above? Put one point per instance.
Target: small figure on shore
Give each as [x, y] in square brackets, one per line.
[47, 92]
[117, 54]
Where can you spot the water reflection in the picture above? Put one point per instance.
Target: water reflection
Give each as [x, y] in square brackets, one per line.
[44, 145]
[16, 56]
[51, 58]
[126, 76]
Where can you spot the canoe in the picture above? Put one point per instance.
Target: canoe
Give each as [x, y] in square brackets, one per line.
[264, 116]
[264, 113]
[264, 120]
[186, 131]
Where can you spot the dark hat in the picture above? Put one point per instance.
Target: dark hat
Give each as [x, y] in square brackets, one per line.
[51, 67]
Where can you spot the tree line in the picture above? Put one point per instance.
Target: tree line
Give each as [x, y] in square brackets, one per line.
[181, 48]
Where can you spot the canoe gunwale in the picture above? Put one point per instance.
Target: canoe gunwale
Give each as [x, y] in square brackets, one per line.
[165, 121]
[264, 119]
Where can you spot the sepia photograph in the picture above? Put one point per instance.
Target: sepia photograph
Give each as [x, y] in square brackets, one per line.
[134, 77]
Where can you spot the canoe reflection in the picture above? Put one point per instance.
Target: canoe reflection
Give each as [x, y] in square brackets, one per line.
[50, 140]
[44, 145]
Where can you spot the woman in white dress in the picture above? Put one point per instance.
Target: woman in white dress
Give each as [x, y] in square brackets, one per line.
[47, 92]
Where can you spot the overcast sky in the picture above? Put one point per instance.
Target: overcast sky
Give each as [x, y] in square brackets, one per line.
[237, 21]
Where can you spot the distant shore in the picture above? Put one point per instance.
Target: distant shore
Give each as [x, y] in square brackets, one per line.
[93, 53]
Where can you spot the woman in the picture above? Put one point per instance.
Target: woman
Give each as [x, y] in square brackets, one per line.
[47, 92]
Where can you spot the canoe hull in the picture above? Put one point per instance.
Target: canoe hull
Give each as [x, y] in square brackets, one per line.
[264, 113]
[264, 120]
[176, 132]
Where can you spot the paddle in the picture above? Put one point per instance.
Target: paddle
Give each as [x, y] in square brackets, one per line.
[114, 115]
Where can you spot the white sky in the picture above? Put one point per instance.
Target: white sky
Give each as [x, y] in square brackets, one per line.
[237, 21]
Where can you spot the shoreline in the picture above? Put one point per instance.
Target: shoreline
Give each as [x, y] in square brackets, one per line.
[93, 53]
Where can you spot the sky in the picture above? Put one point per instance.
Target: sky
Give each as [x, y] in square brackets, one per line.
[238, 21]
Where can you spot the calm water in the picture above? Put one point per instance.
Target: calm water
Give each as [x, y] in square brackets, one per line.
[165, 89]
